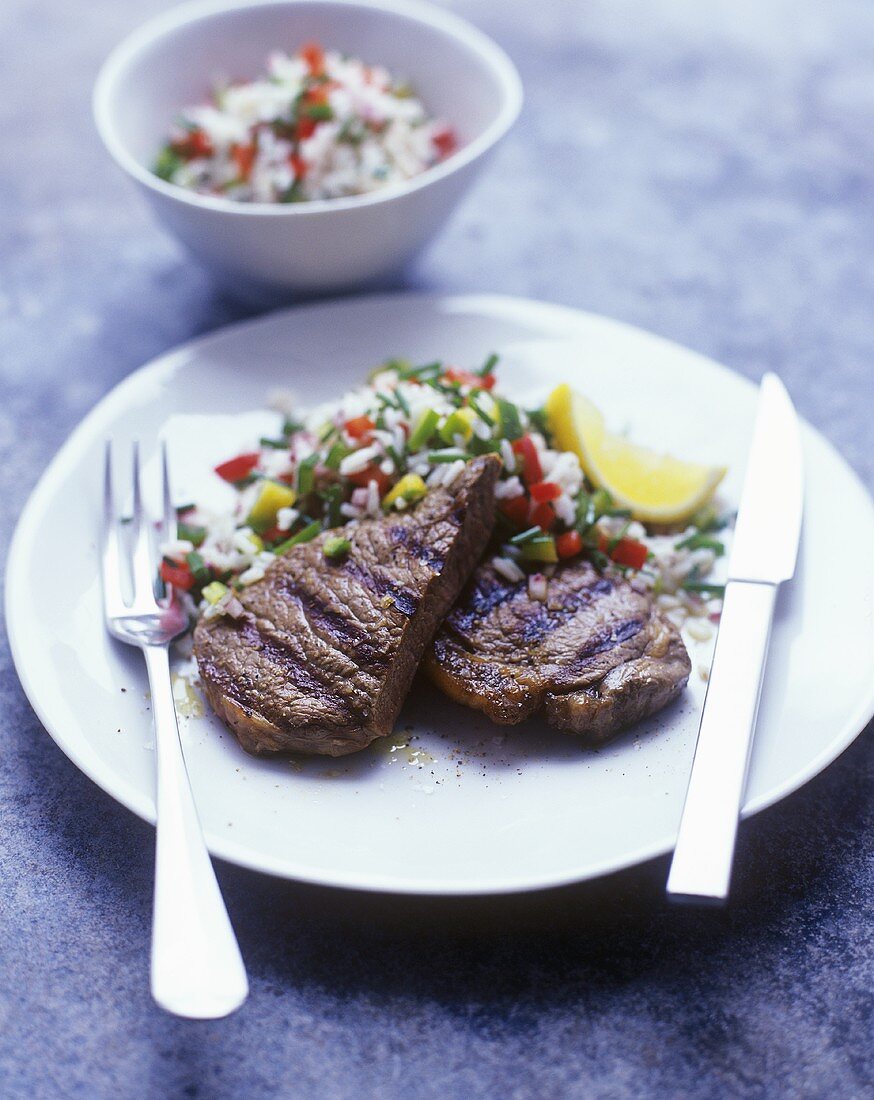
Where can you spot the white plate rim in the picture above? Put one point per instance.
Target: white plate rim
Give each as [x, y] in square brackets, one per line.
[28, 523]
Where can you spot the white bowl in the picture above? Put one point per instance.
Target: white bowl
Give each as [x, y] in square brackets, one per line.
[174, 60]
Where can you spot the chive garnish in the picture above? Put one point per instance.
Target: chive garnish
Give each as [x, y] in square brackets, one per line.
[336, 547]
[489, 365]
[276, 444]
[704, 588]
[452, 454]
[526, 536]
[306, 534]
[305, 475]
[190, 533]
[481, 412]
[701, 542]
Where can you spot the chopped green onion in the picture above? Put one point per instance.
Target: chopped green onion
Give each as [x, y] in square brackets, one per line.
[423, 429]
[306, 476]
[327, 431]
[181, 509]
[395, 457]
[402, 403]
[167, 164]
[336, 547]
[451, 454]
[541, 548]
[526, 536]
[539, 421]
[306, 534]
[276, 444]
[704, 588]
[291, 427]
[509, 419]
[709, 519]
[489, 365]
[333, 498]
[199, 569]
[481, 412]
[701, 542]
[319, 112]
[190, 533]
[336, 455]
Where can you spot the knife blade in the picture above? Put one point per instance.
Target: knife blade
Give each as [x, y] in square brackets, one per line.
[763, 556]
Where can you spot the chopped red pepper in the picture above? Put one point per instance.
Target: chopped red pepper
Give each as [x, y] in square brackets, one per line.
[371, 473]
[360, 427]
[544, 491]
[305, 128]
[445, 141]
[628, 552]
[179, 576]
[516, 510]
[196, 143]
[569, 544]
[244, 158]
[532, 471]
[235, 469]
[462, 377]
[314, 56]
[298, 165]
[543, 516]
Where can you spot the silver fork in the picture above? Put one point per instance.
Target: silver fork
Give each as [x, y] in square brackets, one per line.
[196, 967]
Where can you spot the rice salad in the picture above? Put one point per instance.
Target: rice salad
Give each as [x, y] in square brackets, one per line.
[317, 125]
[382, 446]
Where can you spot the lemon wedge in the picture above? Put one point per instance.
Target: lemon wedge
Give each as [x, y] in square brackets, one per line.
[655, 487]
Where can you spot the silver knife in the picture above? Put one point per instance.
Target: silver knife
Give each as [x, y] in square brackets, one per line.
[762, 557]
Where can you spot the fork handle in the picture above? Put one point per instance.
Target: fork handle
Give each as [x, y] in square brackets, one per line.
[197, 970]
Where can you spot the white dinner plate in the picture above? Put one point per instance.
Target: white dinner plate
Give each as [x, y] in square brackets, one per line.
[451, 804]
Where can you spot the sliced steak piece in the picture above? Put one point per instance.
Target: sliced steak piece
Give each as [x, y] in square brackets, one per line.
[323, 657]
[596, 656]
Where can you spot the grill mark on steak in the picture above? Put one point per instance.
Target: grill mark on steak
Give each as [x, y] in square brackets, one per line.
[596, 656]
[325, 653]
[403, 599]
[343, 630]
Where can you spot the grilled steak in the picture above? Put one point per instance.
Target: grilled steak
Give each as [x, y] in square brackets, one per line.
[323, 657]
[596, 655]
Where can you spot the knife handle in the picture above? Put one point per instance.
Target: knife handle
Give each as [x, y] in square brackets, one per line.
[701, 867]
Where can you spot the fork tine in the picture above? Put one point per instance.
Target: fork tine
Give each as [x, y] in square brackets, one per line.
[113, 593]
[142, 566]
[168, 522]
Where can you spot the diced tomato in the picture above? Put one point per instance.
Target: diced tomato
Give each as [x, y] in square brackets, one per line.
[298, 165]
[179, 576]
[516, 510]
[532, 471]
[628, 552]
[314, 56]
[487, 382]
[244, 158]
[196, 143]
[274, 535]
[235, 469]
[445, 141]
[318, 94]
[544, 491]
[569, 544]
[360, 427]
[371, 473]
[305, 128]
[543, 516]
[462, 377]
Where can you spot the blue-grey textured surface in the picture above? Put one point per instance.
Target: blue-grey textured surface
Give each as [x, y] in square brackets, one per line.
[705, 170]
